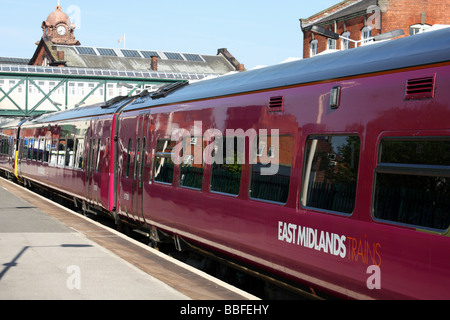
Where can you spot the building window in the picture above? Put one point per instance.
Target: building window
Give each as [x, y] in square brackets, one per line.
[314, 47]
[331, 170]
[345, 44]
[418, 28]
[412, 182]
[331, 44]
[366, 34]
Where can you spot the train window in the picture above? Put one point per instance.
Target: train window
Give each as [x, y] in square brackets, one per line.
[54, 152]
[79, 154]
[41, 149]
[142, 160]
[47, 147]
[192, 166]
[412, 183]
[69, 153]
[130, 144]
[30, 149]
[25, 149]
[61, 151]
[137, 157]
[227, 165]
[98, 154]
[330, 173]
[35, 149]
[271, 168]
[163, 161]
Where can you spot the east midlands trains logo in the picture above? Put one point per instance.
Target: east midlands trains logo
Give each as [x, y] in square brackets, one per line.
[342, 246]
[345, 247]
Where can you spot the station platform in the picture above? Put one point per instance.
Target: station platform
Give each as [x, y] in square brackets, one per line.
[48, 252]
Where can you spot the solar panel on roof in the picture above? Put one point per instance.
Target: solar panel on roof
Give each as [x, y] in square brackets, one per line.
[192, 57]
[149, 54]
[85, 50]
[130, 53]
[173, 56]
[106, 52]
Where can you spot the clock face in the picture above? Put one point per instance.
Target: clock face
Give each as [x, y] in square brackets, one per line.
[61, 30]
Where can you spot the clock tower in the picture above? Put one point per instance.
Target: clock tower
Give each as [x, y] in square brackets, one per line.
[59, 29]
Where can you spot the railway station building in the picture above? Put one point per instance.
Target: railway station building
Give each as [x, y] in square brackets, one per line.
[63, 74]
[357, 21]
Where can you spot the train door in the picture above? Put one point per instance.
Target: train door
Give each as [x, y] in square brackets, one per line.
[140, 159]
[90, 148]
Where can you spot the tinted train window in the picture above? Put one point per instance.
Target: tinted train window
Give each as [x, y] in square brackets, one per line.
[412, 183]
[271, 168]
[25, 149]
[79, 154]
[227, 164]
[69, 153]
[163, 161]
[47, 146]
[191, 169]
[330, 173]
[130, 144]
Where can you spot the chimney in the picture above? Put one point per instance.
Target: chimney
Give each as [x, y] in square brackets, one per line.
[60, 55]
[154, 63]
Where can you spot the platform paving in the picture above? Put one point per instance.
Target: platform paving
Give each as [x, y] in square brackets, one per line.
[48, 253]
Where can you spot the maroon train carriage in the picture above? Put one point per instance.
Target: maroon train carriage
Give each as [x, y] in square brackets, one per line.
[73, 152]
[331, 173]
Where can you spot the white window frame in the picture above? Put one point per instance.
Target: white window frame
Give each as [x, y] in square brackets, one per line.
[366, 35]
[345, 44]
[314, 45]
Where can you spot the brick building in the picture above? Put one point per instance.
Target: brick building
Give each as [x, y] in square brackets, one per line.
[360, 20]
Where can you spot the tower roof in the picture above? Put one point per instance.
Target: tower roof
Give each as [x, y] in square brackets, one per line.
[57, 17]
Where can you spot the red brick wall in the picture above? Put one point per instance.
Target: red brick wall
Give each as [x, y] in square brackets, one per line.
[400, 14]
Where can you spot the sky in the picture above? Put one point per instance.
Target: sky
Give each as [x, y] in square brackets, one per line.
[255, 32]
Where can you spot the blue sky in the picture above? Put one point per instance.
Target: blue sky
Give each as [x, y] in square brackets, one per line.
[256, 32]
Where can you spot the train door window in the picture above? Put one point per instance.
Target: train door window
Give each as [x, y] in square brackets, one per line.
[330, 175]
[47, 146]
[61, 151]
[227, 164]
[142, 160]
[271, 168]
[79, 154]
[41, 150]
[136, 158]
[98, 155]
[412, 182]
[192, 167]
[130, 144]
[91, 155]
[69, 153]
[163, 161]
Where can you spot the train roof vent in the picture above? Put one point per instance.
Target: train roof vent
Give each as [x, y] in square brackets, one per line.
[276, 103]
[420, 88]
